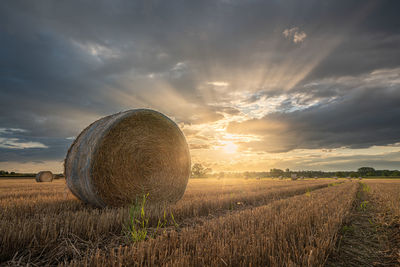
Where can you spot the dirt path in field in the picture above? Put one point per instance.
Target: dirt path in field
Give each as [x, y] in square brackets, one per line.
[363, 241]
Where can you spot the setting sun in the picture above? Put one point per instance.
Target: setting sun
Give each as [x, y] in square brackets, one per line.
[230, 148]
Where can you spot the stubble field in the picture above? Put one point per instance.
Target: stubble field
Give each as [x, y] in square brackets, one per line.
[227, 222]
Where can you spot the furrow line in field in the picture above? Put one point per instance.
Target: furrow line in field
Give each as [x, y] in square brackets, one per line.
[369, 236]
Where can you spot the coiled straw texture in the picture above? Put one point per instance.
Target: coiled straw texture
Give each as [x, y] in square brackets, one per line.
[118, 159]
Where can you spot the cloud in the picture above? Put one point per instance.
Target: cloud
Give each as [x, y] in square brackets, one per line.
[11, 130]
[15, 143]
[294, 34]
[218, 83]
[21, 145]
[38, 149]
[299, 37]
[344, 161]
[363, 114]
[199, 146]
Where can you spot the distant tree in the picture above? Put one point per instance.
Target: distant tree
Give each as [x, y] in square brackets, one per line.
[339, 174]
[354, 175]
[2, 172]
[276, 172]
[366, 171]
[395, 173]
[199, 170]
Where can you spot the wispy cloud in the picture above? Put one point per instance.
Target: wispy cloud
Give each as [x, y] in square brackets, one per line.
[15, 143]
[218, 83]
[11, 130]
[295, 35]
[7, 140]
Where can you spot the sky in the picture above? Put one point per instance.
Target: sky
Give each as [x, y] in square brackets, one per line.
[254, 85]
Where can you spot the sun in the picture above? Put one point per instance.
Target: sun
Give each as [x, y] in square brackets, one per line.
[230, 147]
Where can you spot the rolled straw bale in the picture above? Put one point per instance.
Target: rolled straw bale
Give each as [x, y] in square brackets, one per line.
[44, 176]
[119, 158]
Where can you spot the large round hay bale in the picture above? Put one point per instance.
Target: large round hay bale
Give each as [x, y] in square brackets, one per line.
[44, 176]
[118, 159]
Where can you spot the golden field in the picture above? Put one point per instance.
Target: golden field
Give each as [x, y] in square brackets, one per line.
[227, 222]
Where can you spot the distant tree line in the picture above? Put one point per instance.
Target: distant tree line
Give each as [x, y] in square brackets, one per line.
[4, 173]
[200, 171]
[16, 174]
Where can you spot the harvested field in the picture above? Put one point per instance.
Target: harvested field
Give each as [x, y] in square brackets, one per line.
[227, 222]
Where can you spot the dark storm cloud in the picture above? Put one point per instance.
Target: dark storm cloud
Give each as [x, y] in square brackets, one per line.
[360, 55]
[365, 112]
[65, 64]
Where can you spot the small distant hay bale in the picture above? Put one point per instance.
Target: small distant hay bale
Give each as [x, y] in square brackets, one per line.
[119, 158]
[294, 177]
[44, 176]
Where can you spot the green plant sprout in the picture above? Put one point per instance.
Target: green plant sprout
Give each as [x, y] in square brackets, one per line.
[363, 205]
[137, 229]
